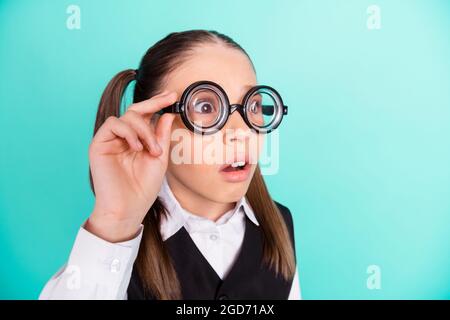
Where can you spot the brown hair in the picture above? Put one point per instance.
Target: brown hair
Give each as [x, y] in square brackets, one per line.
[153, 263]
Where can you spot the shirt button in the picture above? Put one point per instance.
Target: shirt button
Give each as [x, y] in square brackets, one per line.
[213, 237]
[115, 266]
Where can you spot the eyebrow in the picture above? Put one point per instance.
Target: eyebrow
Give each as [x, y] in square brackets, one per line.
[248, 87]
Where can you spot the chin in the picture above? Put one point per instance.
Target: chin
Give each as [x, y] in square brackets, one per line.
[232, 192]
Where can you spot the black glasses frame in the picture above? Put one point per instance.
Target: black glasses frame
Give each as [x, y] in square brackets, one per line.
[180, 108]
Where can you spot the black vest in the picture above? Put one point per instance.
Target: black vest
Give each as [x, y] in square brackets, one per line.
[248, 278]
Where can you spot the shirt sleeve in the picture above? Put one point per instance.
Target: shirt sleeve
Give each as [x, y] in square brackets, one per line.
[96, 269]
[295, 293]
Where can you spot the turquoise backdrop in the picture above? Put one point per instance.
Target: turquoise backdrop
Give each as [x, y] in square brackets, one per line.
[365, 150]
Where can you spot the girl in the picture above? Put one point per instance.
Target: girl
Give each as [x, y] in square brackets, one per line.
[168, 229]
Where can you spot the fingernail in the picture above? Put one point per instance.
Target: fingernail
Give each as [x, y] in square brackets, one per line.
[139, 145]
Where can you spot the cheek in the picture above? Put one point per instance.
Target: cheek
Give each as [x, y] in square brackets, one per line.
[256, 145]
[199, 178]
[259, 138]
[193, 174]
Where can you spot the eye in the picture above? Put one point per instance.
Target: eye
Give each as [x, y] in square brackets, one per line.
[204, 107]
[255, 107]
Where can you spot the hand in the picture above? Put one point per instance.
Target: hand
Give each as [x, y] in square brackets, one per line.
[128, 158]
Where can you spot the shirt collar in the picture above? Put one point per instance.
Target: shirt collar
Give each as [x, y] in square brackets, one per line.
[178, 217]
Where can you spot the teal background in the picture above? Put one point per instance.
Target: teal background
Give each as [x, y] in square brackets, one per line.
[365, 150]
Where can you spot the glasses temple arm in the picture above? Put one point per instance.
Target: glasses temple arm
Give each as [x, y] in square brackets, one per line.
[268, 109]
[173, 108]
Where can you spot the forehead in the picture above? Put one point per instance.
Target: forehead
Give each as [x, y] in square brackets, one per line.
[228, 67]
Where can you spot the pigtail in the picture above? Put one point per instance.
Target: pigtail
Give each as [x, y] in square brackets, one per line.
[278, 252]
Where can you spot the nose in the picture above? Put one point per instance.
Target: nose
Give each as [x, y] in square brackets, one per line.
[236, 130]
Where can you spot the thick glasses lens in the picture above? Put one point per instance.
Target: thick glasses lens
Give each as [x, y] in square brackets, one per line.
[205, 107]
[264, 109]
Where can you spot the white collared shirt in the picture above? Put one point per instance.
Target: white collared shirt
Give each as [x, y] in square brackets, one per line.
[98, 269]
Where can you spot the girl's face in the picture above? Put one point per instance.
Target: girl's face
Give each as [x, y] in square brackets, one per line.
[205, 172]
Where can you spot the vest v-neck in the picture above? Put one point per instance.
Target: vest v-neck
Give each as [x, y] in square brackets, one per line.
[248, 278]
[186, 239]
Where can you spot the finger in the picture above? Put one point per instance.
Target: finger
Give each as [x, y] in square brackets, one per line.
[117, 145]
[154, 104]
[143, 130]
[113, 128]
[163, 130]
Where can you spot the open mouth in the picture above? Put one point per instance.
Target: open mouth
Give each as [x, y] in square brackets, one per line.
[235, 166]
[237, 171]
